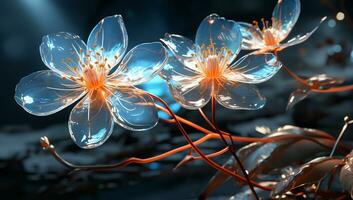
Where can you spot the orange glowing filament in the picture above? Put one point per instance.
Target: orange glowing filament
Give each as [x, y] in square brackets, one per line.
[93, 78]
[268, 32]
[214, 65]
[93, 75]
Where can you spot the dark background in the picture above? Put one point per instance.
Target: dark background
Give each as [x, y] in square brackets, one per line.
[24, 22]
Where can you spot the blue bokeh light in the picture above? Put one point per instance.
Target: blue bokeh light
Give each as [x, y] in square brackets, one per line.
[158, 87]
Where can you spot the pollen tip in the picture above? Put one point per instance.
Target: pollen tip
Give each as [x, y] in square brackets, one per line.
[45, 143]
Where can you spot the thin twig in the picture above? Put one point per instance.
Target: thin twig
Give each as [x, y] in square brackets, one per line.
[133, 160]
[247, 139]
[347, 122]
[209, 161]
[231, 149]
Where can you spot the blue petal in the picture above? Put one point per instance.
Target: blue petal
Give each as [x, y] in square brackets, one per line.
[185, 85]
[175, 69]
[90, 122]
[284, 17]
[63, 53]
[299, 38]
[142, 63]
[240, 97]
[252, 36]
[183, 49]
[109, 39]
[45, 92]
[224, 34]
[254, 68]
[132, 108]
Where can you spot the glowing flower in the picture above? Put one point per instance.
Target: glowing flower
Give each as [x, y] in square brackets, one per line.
[203, 70]
[269, 38]
[99, 75]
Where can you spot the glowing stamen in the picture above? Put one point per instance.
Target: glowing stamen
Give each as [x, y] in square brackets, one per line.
[269, 39]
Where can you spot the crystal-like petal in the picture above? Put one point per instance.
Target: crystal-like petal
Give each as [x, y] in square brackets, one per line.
[240, 96]
[254, 68]
[186, 85]
[45, 92]
[132, 108]
[63, 52]
[252, 36]
[91, 122]
[109, 39]
[224, 34]
[175, 70]
[141, 63]
[183, 49]
[190, 92]
[284, 17]
[299, 38]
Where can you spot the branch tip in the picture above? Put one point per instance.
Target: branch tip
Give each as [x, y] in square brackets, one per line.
[346, 119]
[45, 143]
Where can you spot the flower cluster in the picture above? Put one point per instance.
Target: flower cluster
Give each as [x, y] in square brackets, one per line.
[103, 78]
[100, 76]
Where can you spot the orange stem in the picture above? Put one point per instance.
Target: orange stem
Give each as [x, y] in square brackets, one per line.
[239, 138]
[334, 89]
[205, 158]
[241, 166]
[132, 160]
[215, 154]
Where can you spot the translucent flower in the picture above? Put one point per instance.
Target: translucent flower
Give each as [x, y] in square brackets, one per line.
[99, 75]
[197, 72]
[269, 38]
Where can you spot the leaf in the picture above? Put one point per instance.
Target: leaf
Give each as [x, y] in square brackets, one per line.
[290, 129]
[297, 96]
[247, 194]
[346, 174]
[321, 81]
[308, 173]
[265, 130]
[261, 158]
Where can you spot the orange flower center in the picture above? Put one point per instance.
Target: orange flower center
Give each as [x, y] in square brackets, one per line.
[93, 73]
[268, 35]
[93, 78]
[212, 69]
[214, 64]
[268, 38]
